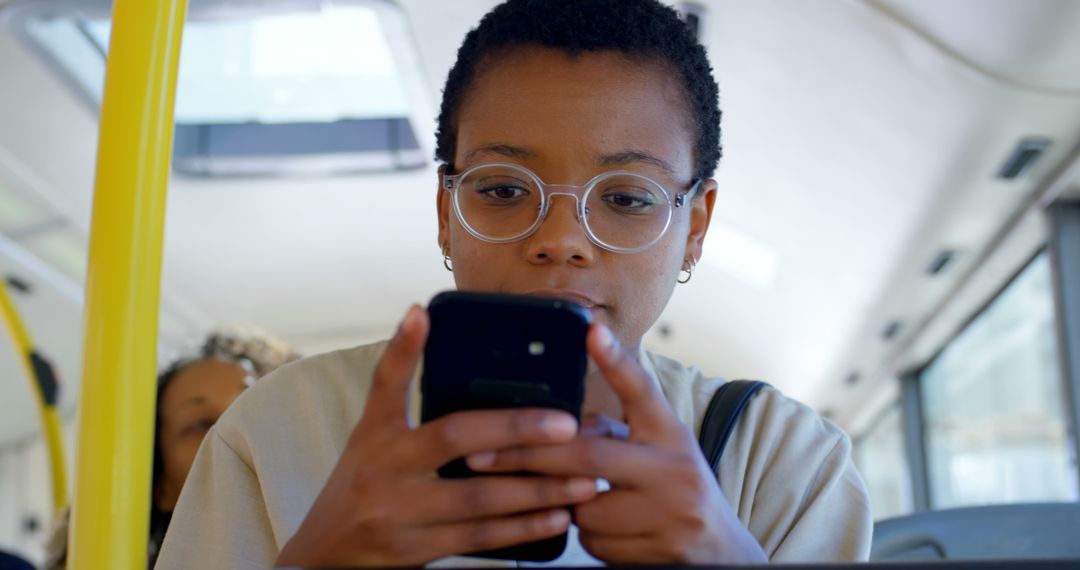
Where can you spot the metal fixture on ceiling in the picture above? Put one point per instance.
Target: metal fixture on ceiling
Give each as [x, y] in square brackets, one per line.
[1023, 157]
[942, 261]
[694, 15]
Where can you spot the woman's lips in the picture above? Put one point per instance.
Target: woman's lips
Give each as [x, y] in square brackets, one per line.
[572, 296]
[598, 311]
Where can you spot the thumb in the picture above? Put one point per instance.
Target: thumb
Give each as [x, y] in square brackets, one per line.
[388, 397]
[647, 411]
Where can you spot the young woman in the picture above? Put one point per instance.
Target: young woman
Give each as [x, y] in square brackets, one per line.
[601, 118]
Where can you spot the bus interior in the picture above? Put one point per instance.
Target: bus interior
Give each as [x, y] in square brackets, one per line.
[896, 239]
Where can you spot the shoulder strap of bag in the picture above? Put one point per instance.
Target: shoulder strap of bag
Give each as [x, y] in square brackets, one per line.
[722, 415]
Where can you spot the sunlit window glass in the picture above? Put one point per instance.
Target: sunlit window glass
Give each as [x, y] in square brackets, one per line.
[879, 454]
[318, 88]
[287, 67]
[993, 404]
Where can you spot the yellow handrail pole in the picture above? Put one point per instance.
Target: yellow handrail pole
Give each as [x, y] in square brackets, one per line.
[116, 416]
[50, 417]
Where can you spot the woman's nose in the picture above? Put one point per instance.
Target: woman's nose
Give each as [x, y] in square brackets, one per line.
[561, 237]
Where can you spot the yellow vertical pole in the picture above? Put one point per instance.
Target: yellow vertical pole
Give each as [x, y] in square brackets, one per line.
[40, 374]
[116, 416]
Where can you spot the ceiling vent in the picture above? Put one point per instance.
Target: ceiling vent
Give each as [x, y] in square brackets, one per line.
[890, 330]
[941, 261]
[664, 330]
[17, 284]
[694, 16]
[1023, 157]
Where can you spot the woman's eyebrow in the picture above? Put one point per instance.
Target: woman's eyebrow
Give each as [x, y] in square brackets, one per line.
[626, 157]
[502, 149]
[196, 400]
[621, 158]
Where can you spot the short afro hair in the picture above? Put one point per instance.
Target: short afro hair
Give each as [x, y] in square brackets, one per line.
[643, 29]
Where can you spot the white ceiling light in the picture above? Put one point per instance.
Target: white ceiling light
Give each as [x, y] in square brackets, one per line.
[17, 212]
[64, 250]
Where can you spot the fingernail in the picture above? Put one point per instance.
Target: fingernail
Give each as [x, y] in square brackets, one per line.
[559, 426]
[559, 519]
[408, 319]
[605, 336]
[607, 340]
[412, 314]
[481, 460]
[581, 487]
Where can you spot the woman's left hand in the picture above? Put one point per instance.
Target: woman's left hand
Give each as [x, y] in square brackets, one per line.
[664, 505]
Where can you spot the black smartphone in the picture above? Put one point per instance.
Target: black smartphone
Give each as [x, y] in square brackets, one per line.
[488, 351]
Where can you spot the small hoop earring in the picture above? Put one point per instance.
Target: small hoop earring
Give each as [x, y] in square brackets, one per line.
[688, 268]
[446, 261]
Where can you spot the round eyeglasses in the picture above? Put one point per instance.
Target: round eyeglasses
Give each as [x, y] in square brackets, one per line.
[621, 211]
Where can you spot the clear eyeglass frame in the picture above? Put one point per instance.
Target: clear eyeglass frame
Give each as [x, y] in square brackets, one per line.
[580, 193]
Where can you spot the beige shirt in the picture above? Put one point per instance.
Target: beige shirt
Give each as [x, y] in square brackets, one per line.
[787, 472]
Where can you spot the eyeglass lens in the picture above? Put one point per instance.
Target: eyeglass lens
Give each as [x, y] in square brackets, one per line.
[624, 211]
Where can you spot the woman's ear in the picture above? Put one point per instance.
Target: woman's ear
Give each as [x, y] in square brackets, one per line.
[442, 206]
[701, 210]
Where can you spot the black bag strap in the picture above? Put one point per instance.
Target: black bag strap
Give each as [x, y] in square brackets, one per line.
[722, 415]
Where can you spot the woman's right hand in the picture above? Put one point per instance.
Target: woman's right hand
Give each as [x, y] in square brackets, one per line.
[385, 505]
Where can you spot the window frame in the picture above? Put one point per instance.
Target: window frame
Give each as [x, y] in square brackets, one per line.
[1064, 250]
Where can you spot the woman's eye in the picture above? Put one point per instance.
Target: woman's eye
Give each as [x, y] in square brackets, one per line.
[198, 427]
[629, 202]
[504, 193]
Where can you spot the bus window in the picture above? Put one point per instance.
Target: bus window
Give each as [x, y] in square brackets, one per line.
[879, 453]
[992, 400]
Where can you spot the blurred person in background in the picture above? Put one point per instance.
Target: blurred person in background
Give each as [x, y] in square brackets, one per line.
[193, 392]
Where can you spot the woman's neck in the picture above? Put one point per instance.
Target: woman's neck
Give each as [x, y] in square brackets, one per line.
[599, 397]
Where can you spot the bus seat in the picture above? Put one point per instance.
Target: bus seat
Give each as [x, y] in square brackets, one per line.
[1045, 531]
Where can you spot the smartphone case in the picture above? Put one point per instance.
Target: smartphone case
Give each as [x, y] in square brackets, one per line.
[489, 351]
